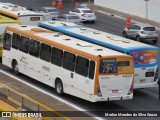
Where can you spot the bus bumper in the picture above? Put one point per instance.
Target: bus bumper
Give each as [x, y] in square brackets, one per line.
[148, 85]
[113, 98]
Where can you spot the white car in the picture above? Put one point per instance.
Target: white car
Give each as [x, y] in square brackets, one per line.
[51, 10]
[85, 14]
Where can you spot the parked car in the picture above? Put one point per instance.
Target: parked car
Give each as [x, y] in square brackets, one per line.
[85, 14]
[141, 32]
[51, 10]
[70, 18]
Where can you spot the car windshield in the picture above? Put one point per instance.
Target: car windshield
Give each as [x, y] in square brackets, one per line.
[52, 10]
[87, 11]
[149, 29]
[73, 17]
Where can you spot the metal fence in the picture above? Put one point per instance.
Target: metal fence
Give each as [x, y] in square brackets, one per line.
[27, 104]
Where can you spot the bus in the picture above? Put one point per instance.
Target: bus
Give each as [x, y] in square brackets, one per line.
[26, 17]
[69, 65]
[145, 56]
[4, 22]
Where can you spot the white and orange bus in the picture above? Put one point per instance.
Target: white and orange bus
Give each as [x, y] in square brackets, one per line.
[71, 66]
[26, 17]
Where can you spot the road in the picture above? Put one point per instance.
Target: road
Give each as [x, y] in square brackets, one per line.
[144, 99]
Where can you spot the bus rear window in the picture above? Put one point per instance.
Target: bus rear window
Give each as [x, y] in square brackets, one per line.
[108, 66]
[34, 18]
[144, 56]
[115, 65]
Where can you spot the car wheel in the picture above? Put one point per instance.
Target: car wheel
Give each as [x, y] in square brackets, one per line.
[125, 35]
[154, 41]
[138, 39]
[59, 87]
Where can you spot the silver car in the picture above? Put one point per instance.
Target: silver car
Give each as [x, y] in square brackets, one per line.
[70, 18]
[51, 10]
[141, 32]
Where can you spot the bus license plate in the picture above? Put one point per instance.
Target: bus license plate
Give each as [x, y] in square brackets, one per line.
[114, 91]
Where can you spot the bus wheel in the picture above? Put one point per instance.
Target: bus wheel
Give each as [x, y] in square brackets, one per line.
[59, 87]
[15, 67]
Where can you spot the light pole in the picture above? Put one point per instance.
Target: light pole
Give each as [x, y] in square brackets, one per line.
[146, 10]
[89, 1]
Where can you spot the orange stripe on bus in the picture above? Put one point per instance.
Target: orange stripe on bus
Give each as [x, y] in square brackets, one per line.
[8, 14]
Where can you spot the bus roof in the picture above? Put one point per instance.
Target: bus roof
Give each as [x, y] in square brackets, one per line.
[96, 36]
[15, 11]
[64, 42]
[6, 20]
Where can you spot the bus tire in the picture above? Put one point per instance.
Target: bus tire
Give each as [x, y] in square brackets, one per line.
[15, 67]
[59, 87]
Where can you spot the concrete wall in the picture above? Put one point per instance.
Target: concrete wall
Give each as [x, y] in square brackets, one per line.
[135, 7]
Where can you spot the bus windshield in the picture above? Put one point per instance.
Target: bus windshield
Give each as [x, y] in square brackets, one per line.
[114, 65]
[144, 56]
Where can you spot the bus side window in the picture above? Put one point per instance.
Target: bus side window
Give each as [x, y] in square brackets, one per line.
[82, 65]
[91, 69]
[15, 41]
[24, 44]
[34, 48]
[56, 56]
[45, 52]
[7, 41]
[69, 61]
